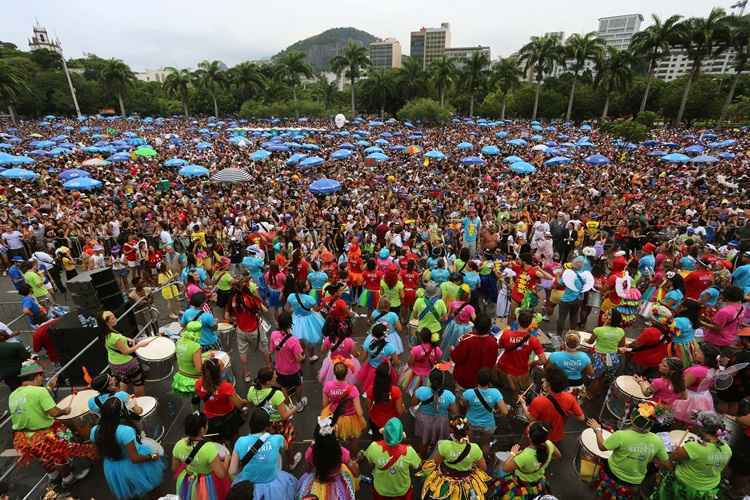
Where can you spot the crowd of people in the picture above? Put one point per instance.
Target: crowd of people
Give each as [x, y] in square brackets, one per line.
[483, 295]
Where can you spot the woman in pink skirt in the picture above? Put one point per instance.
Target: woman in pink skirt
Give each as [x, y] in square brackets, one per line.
[698, 382]
[342, 348]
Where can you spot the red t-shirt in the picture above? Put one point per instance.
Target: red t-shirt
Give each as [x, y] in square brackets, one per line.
[526, 281]
[472, 353]
[372, 280]
[220, 402]
[696, 282]
[382, 412]
[516, 362]
[542, 409]
[652, 356]
[245, 309]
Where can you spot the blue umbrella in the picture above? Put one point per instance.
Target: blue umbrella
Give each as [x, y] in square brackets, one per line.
[657, 152]
[310, 147]
[82, 184]
[325, 186]
[472, 160]
[5, 145]
[535, 122]
[277, 148]
[537, 138]
[676, 158]
[650, 142]
[694, 149]
[512, 159]
[434, 154]
[311, 162]
[92, 149]
[726, 155]
[722, 144]
[464, 146]
[72, 173]
[522, 167]
[347, 145]
[18, 174]
[260, 155]
[381, 142]
[399, 148]
[39, 153]
[517, 142]
[536, 128]
[296, 158]
[377, 156]
[118, 157]
[586, 127]
[363, 143]
[341, 154]
[6, 159]
[490, 150]
[597, 160]
[558, 160]
[585, 144]
[203, 145]
[193, 171]
[174, 162]
[704, 159]
[373, 149]
[45, 144]
[670, 145]
[502, 134]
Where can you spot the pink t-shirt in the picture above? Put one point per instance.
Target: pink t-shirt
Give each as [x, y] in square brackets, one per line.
[466, 313]
[278, 283]
[336, 390]
[286, 358]
[728, 319]
[344, 350]
[424, 357]
[699, 372]
[663, 391]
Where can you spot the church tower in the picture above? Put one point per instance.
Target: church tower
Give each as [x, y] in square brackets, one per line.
[41, 40]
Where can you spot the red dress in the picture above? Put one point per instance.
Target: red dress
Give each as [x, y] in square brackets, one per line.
[411, 283]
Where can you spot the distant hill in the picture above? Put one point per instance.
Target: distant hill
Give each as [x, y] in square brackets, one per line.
[321, 48]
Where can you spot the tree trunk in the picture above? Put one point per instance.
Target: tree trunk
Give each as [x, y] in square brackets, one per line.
[502, 110]
[471, 106]
[606, 107]
[354, 111]
[686, 93]
[382, 110]
[185, 108]
[442, 96]
[12, 114]
[216, 106]
[570, 98]
[730, 95]
[651, 67]
[122, 105]
[536, 99]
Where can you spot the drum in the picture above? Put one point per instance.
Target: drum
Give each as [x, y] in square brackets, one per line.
[158, 358]
[622, 397]
[150, 423]
[171, 330]
[594, 299]
[413, 329]
[226, 333]
[590, 458]
[80, 420]
[586, 344]
[678, 437]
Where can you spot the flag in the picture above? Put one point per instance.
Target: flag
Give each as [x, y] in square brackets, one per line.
[426, 162]
[740, 5]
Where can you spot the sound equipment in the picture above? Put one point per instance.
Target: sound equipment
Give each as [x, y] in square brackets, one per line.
[97, 290]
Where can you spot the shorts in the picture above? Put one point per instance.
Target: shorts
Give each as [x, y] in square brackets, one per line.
[222, 297]
[289, 382]
[132, 263]
[252, 340]
[129, 373]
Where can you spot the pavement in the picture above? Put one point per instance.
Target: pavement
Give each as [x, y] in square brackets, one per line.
[563, 477]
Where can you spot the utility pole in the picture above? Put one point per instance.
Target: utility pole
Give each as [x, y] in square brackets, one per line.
[70, 82]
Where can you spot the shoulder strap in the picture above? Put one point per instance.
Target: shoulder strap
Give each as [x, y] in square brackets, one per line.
[299, 301]
[257, 445]
[519, 344]
[283, 341]
[556, 405]
[482, 400]
[380, 348]
[267, 398]
[195, 451]
[464, 453]
[461, 308]
[394, 458]
[338, 343]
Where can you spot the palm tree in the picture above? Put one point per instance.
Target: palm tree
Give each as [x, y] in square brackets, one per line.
[412, 78]
[701, 38]
[211, 76]
[579, 50]
[380, 84]
[739, 40]
[654, 43]
[474, 76]
[12, 83]
[506, 76]
[117, 76]
[540, 56]
[325, 91]
[291, 67]
[614, 72]
[350, 62]
[177, 83]
[247, 79]
[443, 72]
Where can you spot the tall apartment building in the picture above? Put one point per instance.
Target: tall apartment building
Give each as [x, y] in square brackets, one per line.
[678, 65]
[386, 53]
[429, 44]
[617, 31]
[461, 54]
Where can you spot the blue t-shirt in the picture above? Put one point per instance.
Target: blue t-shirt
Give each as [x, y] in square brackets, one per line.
[121, 395]
[266, 464]
[30, 303]
[477, 414]
[446, 399]
[202, 275]
[389, 319]
[647, 263]
[208, 322]
[387, 352]
[124, 435]
[16, 276]
[305, 308]
[317, 279]
[440, 275]
[472, 279]
[471, 228]
[741, 278]
[254, 266]
[572, 363]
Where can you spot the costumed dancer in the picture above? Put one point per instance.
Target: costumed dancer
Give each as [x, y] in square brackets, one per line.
[384, 315]
[526, 469]
[307, 323]
[462, 315]
[340, 348]
[377, 350]
[371, 294]
[422, 359]
[341, 401]
[189, 361]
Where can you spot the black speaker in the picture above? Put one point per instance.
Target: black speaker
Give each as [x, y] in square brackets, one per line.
[101, 276]
[71, 334]
[96, 290]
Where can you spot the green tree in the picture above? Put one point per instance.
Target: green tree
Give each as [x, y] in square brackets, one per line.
[614, 72]
[117, 77]
[701, 38]
[505, 76]
[739, 40]
[540, 56]
[380, 84]
[247, 79]
[350, 63]
[579, 50]
[474, 76]
[412, 78]
[325, 91]
[443, 73]
[704, 103]
[177, 84]
[426, 111]
[291, 67]
[210, 77]
[12, 84]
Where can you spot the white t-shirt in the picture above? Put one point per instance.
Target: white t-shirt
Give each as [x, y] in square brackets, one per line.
[165, 237]
[14, 239]
[115, 225]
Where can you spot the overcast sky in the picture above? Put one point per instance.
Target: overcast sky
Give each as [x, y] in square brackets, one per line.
[155, 33]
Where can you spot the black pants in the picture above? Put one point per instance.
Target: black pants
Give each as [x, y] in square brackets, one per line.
[567, 311]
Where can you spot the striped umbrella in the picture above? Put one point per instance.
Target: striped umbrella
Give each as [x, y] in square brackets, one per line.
[231, 175]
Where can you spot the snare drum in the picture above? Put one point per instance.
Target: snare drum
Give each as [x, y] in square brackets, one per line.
[594, 299]
[589, 457]
[171, 330]
[149, 419]
[622, 397]
[677, 438]
[80, 420]
[226, 333]
[158, 356]
[586, 345]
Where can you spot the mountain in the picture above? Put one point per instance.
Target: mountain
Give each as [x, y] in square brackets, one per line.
[321, 48]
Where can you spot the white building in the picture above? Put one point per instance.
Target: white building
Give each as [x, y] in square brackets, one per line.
[40, 40]
[152, 75]
[461, 54]
[678, 65]
[386, 53]
[617, 31]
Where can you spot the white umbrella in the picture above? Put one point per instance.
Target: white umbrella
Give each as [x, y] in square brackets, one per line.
[95, 162]
[231, 175]
[539, 147]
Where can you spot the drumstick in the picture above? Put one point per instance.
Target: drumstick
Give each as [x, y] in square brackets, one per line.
[527, 390]
[684, 437]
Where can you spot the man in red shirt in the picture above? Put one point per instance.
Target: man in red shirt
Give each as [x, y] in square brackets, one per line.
[647, 351]
[518, 345]
[473, 352]
[698, 280]
[554, 405]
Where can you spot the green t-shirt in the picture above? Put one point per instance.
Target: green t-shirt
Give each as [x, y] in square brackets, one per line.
[224, 283]
[255, 397]
[29, 406]
[395, 480]
[703, 470]
[450, 450]
[36, 283]
[185, 349]
[392, 294]
[608, 338]
[528, 467]
[632, 451]
[114, 356]
[429, 321]
[449, 291]
[201, 463]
